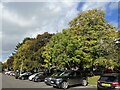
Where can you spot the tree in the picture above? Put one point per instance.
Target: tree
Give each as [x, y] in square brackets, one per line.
[116, 50]
[10, 63]
[28, 53]
[83, 44]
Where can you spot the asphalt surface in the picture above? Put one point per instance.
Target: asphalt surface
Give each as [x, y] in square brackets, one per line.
[10, 83]
[0, 81]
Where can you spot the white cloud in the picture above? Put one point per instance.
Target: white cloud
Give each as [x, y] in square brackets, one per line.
[60, 0]
[35, 18]
[93, 5]
[56, 17]
[15, 18]
[22, 20]
[101, 1]
[1, 6]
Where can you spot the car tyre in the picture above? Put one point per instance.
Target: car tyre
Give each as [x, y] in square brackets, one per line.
[39, 80]
[22, 78]
[84, 83]
[55, 87]
[64, 85]
[32, 79]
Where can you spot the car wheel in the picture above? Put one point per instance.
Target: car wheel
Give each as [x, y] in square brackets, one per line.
[32, 79]
[64, 85]
[22, 78]
[55, 87]
[84, 82]
[16, 77]
[39, 80]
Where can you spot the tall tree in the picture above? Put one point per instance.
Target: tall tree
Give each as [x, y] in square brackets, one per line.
[10, 63]
[84, 43]
[28, 55]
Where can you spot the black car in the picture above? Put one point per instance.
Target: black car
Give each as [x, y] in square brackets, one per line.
[47, 80]
[67, 78]
[25, 75]
[109, 81]
[40, 77]
[17, 74]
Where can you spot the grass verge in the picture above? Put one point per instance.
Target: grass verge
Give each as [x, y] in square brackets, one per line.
[93, 80]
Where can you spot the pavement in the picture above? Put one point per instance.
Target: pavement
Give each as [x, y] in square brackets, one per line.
[10, 83]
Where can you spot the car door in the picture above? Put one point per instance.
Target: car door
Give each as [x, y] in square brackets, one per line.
[79, 77]
[43, 76]
[72, 78]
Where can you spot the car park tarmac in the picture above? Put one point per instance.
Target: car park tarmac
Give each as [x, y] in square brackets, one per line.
[11, 82]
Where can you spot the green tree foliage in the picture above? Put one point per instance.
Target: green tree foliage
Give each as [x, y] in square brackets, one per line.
[4, 66]
[10, 63]
[117, 50]
[28, 53]
[88, 40]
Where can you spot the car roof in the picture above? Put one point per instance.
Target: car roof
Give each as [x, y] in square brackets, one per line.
[111, 74]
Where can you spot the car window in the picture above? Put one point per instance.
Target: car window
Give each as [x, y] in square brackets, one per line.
[78, 73]
[44, 74]
[108, 78]
[40, 74]
[36, 74]
[56, 74]
[119, 78]
[72, 74]
[64, 74]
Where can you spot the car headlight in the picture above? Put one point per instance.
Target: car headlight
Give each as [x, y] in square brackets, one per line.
[58, 81]
[45, 80]
[50, 78]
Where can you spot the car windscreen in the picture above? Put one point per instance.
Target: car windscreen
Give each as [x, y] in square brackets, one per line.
[56, 74]
[108, 78]
[40, 74]
[65, 74]
[35, 74]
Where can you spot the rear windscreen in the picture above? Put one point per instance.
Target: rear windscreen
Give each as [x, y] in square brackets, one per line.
[108, 78]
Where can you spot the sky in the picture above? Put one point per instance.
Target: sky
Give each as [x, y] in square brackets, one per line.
[28, 19]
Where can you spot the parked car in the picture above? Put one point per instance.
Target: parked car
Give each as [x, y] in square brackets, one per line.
[32, 76]
[41, 76]
[67, 78]
[17, 74]
[109, 81]
[25, 75]
[47, 80]
[108, 70]
[8, 72]
[12, 73]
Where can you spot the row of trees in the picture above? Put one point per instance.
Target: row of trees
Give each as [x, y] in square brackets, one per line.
[88, 40]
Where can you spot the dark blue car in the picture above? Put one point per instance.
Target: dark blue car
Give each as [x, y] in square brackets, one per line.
[109, 81]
